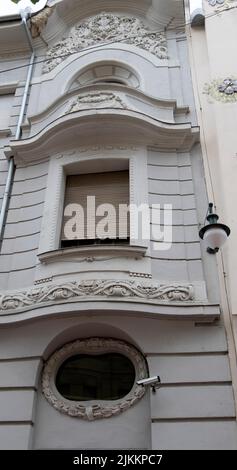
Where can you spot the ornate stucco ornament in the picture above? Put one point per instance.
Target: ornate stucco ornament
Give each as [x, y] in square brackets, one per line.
[94, 409]
[92, 288]
[220, 4]
[95, 100]
[228, 86]
[104, 28]
[222, 90]
[216, 2]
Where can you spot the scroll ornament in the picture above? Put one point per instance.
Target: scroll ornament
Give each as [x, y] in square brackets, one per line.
[126, 289]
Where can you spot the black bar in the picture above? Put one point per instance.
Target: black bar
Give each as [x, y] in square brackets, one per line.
[99, 459]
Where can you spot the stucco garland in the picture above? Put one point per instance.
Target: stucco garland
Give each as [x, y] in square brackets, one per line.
[95, 409]
[217, 89]
[95, 288]
[102, 28]
[95, 100]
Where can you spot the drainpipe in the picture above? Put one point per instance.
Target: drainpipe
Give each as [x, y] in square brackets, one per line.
[7, 193]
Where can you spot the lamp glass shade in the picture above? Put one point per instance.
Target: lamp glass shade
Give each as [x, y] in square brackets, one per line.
[215, 237]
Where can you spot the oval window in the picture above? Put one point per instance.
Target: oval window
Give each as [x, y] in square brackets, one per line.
[84, 377]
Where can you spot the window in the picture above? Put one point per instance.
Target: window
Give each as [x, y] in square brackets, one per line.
[93, 161]
[87, 377]
[96, 209]
[106, 72]
[111, 81]
[94, 378]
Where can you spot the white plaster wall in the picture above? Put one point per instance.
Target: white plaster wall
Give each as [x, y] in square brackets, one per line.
[212, 52]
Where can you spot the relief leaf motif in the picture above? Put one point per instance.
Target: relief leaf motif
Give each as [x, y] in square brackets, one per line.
[220, 3]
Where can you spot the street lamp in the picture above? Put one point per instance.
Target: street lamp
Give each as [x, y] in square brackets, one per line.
[214, 234]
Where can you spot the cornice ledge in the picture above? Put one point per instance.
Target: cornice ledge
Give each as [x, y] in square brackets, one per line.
[10, 87]
[193, 311]
[93, 253]
[60, 134]
[72, 11]
[5, 132]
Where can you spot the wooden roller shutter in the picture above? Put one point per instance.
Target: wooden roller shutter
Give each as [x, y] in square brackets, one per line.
[107, 188]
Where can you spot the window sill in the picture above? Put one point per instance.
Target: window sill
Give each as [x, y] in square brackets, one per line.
[91, 253]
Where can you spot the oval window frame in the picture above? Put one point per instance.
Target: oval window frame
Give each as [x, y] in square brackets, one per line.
[93, 409]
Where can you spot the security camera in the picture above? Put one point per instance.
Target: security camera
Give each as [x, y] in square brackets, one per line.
[154, 382]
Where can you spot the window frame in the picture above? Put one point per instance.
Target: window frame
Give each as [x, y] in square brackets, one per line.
[68, 163]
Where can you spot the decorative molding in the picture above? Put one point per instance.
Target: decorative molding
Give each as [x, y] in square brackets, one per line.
[220, 4]
[93, 409]
[102, 28]
[95, 100]
[96, 288]
[228, 86]
[8, 88]
[213, 3]
[39, 21]
[92, 253]
[43, 281]
[224, 90]
[143, 275]
[97, 148]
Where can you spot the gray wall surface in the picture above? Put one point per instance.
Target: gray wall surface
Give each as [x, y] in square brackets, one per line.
[191, 360]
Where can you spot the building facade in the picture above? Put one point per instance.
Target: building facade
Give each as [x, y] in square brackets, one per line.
[98, 99]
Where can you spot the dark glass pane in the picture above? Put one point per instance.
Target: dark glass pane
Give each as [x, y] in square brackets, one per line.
[96, 241]
[95, 377]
